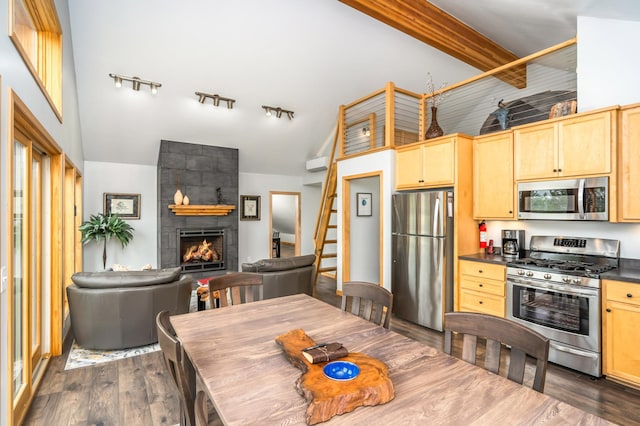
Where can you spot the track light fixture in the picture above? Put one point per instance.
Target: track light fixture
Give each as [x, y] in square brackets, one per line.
[135, 82]
[202, 97]
[277, 111]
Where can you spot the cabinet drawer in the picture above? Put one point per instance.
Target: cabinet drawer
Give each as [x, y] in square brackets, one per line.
[476, 302]
[483, 270]
[623, 292]
[482, 285]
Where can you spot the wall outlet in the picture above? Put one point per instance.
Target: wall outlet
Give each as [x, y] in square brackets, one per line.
[3, 279]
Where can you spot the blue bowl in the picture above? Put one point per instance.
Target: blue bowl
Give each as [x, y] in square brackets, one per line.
[341, 370]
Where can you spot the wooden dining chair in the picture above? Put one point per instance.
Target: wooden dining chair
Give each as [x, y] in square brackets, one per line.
[234, 288]
[498, 332]
[367, 300]
[173, 358]
[202, 413]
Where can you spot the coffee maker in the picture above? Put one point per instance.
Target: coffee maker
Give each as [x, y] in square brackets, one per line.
[512, 242]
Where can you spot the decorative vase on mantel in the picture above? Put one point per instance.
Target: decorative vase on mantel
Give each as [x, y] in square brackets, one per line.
[177, 197]
[434, 129]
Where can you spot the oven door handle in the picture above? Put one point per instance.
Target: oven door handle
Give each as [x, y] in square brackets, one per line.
[560, 288]
[573, 351]
[581, 198]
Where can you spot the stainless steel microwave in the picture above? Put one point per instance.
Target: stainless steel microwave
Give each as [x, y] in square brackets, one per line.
[566, 199]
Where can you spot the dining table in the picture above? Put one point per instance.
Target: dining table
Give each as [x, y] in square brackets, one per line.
[249, 380]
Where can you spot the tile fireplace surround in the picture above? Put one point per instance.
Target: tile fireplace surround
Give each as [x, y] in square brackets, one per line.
[199, 169]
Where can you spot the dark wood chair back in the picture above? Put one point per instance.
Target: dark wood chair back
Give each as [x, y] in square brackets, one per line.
[173, 358]
[497, 332]
[202, 413]
[234, 288]
[367, 300]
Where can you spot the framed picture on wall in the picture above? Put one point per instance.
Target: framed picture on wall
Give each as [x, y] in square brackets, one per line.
[127, 206]
[249, 207]
[364, 203]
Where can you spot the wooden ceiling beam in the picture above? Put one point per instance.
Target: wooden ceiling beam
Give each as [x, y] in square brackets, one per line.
[431, 25]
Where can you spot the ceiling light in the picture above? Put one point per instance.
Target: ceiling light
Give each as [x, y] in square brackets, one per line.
[278, 111]
[202, 97]
[135, 82]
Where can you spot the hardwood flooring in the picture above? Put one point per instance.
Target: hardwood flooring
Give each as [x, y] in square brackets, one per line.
[139, 391]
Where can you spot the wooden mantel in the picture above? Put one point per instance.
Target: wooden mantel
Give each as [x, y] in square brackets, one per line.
[201, 210]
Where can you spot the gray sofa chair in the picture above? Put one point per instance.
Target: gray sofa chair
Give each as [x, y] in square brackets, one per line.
[117, 309]
[283, 276]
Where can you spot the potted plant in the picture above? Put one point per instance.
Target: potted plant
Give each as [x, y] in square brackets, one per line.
[103, 227]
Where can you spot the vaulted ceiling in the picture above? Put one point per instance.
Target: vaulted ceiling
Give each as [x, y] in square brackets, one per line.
[305, 56]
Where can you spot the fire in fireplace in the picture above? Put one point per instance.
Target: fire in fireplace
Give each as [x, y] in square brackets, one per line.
[201, 249]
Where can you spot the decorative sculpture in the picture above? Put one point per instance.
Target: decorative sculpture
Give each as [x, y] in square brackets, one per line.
[502, 114]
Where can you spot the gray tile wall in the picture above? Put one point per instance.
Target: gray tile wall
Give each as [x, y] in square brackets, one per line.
[200, 169]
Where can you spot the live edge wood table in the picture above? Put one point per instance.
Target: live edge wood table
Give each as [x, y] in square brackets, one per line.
[250, 381]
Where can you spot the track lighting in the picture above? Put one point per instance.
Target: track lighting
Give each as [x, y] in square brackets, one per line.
[278, 111]
[202, 97]
[135, 82]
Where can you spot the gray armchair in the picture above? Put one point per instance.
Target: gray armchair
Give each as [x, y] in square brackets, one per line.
[117, 309]
[283, 276]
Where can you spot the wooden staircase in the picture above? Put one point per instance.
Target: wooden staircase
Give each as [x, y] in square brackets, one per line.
[325, 236]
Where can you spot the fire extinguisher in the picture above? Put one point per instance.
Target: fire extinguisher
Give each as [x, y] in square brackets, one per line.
[483, 234]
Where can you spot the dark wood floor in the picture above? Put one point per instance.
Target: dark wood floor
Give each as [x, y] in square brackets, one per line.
[139, 391]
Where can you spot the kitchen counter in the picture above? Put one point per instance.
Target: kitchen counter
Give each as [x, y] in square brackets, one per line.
[628, 269]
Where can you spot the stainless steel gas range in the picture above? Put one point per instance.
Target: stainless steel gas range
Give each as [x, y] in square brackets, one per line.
[556, 291]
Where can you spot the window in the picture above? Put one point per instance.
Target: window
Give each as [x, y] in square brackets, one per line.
[35, 31]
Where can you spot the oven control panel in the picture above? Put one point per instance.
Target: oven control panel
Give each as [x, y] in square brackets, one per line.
[570, 242]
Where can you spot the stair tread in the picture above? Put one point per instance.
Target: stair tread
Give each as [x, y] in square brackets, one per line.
[328, 268]
[329, 255]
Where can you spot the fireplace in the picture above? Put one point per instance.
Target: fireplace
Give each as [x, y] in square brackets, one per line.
[201, 249]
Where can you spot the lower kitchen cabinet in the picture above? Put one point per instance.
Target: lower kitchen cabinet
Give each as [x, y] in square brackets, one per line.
[621, 331]
[482, 288]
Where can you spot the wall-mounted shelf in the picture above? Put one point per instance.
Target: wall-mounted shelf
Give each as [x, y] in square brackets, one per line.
[201, 210]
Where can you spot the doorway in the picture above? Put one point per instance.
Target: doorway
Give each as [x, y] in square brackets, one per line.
[284, 223]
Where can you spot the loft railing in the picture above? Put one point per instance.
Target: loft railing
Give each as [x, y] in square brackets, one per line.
[393, 117]
[383, 119]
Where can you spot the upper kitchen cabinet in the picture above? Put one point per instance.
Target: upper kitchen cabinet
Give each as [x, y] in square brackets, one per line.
[629, 160]
[581, 145]
[493, 184]
[432, 164]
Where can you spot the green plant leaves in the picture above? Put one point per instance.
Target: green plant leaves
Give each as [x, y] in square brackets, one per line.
[100, 226]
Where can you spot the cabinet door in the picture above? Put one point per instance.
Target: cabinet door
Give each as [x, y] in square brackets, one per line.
[439, 163]
[535, 152]
[585, 145]
[629, 195]
[493, 188]
[409, 167]
[622, 332]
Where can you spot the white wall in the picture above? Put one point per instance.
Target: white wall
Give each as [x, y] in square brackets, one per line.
[607, 63]
[365, 232]
[122, 179]
[607, 75]
[15, 75]
[254, 240]
[383, 161]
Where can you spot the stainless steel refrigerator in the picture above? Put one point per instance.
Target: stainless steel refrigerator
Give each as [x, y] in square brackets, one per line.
[422, 270]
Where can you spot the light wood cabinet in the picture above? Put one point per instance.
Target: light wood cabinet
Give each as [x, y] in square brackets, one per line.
[409, 167]
[629, 164]
[493, 184]
[482, 288]
[621, 331]
[577, 146]
[427, 164]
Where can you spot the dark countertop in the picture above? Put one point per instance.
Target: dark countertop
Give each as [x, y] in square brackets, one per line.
[628, 269]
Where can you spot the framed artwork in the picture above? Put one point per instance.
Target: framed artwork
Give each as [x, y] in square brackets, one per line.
[249, 207]
[364, 203]
[127, 206]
